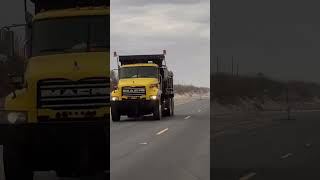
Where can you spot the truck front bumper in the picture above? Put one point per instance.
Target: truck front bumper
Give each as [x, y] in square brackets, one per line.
[54, 132]
[134, 107]
[60, 145]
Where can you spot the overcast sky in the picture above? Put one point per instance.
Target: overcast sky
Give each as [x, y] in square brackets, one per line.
[182, 27]
[278, 38]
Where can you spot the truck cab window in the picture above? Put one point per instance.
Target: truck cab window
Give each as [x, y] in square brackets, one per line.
[138, 72]
[73, 34]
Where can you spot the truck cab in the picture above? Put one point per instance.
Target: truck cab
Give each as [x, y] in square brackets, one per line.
[145, 86]
[67, 72]
[59, 117]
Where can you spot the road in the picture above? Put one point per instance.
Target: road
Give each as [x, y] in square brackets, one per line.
[277, 149]
[174, 148]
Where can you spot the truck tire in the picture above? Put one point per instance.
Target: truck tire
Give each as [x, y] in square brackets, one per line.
[16, 164]
[167, 105]
[157, 111]
[171, 106]
[115, 114]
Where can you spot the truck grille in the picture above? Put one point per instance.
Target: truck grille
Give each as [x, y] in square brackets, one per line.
[68, 94]
[133, 91]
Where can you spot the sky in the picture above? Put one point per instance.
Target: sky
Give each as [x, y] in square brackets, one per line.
[278, 38]
[11, 12]
[182, 27]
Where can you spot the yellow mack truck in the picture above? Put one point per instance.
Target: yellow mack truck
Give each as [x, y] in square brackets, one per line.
[57, 118]
[145, 87]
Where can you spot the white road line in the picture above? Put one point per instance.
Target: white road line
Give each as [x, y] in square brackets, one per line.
[143, 143]
[286, 156]
[248, 176]
[162, 131]
[187, 117]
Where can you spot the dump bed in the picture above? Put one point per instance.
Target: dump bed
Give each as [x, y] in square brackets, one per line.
[137, 59]
[65, 4]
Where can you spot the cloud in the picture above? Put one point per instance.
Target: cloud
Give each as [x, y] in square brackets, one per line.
[152, 2]
[181, 27]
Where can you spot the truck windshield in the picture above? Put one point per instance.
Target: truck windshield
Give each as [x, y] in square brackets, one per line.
[72, 34]
[138, 72]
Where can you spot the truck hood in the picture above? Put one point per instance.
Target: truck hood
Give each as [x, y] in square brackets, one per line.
[137, 82]
[72, 66]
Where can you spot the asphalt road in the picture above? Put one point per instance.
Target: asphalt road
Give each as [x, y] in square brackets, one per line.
[174, 148]
[278, 149]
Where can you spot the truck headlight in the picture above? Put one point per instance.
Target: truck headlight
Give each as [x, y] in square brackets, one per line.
[13, 117]
[153, 97]
[114, 98]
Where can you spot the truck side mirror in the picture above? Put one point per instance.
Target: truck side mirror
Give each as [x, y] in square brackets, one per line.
[115, 74]
[6, 42]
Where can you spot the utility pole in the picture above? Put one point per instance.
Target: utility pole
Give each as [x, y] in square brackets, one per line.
[232, 67]
[287, 100]
[217, 64]
[223, 64]
[237, 69]
[288, 104]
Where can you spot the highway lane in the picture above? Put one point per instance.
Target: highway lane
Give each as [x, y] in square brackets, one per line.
[174, 148]
[281, 149]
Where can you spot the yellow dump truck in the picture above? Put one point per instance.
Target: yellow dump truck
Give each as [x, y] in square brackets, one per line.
[145, 86]
[57, 118]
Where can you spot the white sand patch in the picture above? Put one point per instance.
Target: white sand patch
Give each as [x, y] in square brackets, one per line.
[185, 98]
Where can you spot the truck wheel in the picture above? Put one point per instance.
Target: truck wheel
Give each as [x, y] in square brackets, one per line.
[115, 114]
[167, 105]
[157, 111]
[171, 107]
[16, 165]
